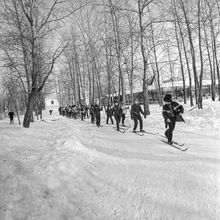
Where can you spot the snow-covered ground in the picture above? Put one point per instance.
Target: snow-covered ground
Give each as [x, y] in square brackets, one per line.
[62, 169]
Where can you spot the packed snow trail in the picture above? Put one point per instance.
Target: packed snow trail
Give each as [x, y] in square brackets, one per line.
[67, 169]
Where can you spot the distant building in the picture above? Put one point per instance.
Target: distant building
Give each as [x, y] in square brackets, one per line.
[52, 103]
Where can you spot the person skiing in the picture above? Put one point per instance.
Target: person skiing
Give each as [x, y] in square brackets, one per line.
[97, 110]
[136, 116]
[91, 110]
[117, 112]
[60, 110]
[170, 112]
[109, 113]
[11, 116]
[86, 111]
[82, 112]
[124, 112]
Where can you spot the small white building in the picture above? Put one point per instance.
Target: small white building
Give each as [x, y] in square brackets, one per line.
[52, 103]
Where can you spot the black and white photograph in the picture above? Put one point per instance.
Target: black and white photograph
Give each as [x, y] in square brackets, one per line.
[109, 109]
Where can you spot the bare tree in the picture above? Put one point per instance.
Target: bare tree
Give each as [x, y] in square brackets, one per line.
[29, 25]
[192, 48]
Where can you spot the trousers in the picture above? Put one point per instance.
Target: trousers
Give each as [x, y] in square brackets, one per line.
[136, 119]
[169, 131]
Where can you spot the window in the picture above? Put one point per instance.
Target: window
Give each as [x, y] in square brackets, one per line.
[52, 102]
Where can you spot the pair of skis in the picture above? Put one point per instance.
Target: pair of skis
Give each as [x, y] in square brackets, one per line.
[141, 133]
[176, 145]
[179, 146]
[122, 128]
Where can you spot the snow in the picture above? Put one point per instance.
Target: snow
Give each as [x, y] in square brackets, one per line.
[67, 169]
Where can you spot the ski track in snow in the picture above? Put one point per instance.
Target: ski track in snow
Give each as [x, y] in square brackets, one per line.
[65, 169]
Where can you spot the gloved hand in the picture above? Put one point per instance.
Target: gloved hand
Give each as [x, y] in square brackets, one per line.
[145, 116]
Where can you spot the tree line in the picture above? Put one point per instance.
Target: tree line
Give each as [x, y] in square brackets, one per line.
[107, 47]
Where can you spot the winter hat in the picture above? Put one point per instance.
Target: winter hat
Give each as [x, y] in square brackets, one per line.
[167, 98]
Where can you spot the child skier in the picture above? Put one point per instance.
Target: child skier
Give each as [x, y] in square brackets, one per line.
[82, 112]
[97, 110]
[109, 113]
[87, 111]
[11, 116]
[91, 110]
[124, 111]
[117, 112]
[136, 116]
[171, 110]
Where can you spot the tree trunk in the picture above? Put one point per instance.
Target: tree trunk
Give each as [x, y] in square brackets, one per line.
[192, 50]
[201, 56]
[216, 58]
[214, 47]
[188, 69]
[157, 68]
[145, 85]
[210, 63]
[171, 69]
[185, 54]
[108, 68]
[181, 63]
[93, 85]
[89, 76]
[28, 117]
[118, 50]
[77, 75]
[18, 111]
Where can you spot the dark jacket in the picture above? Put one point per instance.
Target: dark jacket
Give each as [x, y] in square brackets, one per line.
[172, 111]
[117, 111]
[109, 111]
[11, 115]
[82, 109]
[91, 110]
[97, 110]
[136, 111]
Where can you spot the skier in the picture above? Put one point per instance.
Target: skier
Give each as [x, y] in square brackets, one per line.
[117, 112]
[97, 110]
[87, 111]
[11, 116]
[109, 113]
[171, 110]
[91, 110]
[136, 116]
[82, 111]
[63, 111]
[60, 110]
[74, 113]
[124, 111]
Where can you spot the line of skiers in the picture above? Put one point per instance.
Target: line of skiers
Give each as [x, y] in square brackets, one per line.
[172, 112]
[74, 111]
[118, 112]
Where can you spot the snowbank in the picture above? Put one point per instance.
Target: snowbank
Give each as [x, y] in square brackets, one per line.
[204, 121]
[65, 169]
